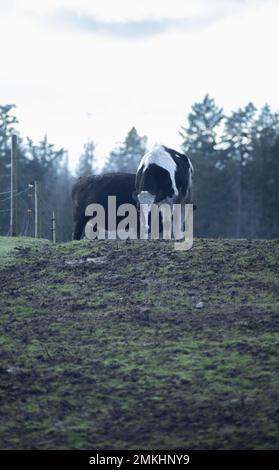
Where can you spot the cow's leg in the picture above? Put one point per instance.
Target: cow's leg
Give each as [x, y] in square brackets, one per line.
[182, 217]
[178, 220]
[80, 222]
[165, 222]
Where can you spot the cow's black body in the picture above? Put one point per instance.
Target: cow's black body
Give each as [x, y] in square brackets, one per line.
[96, 189]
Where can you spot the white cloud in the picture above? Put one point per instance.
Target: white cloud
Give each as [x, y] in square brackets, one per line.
[127, 9]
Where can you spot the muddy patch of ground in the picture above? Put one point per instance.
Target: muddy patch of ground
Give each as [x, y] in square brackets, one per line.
[135, 345]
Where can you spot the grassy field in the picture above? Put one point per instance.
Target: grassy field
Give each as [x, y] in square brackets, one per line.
[135, 345]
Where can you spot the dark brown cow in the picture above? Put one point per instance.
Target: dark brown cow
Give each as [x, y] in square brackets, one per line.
[96, 189]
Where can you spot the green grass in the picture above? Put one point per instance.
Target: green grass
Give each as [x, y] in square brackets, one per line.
[115, 354]
[9, 246]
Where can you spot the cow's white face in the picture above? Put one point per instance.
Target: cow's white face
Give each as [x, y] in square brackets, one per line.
[145, 197]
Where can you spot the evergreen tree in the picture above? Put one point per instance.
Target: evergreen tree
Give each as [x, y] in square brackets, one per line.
[200, 143]
[237, 142]
[41, 158]
[47, 166]
[86, 160]
[7, 123]
[128, 155]
[200, 136]
[263, 173]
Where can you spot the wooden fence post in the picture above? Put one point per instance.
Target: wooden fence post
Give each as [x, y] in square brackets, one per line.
[13, 214]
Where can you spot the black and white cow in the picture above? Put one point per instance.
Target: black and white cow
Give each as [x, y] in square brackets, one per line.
[164, 176]
[96, 189]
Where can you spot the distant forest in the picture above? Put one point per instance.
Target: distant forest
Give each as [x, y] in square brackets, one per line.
[235, 158]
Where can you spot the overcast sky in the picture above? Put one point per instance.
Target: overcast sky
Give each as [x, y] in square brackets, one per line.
[80, 69]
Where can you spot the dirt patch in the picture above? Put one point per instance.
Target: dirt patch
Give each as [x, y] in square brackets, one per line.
[135, 345]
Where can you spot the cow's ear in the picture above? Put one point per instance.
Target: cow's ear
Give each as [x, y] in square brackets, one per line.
[135, 196]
